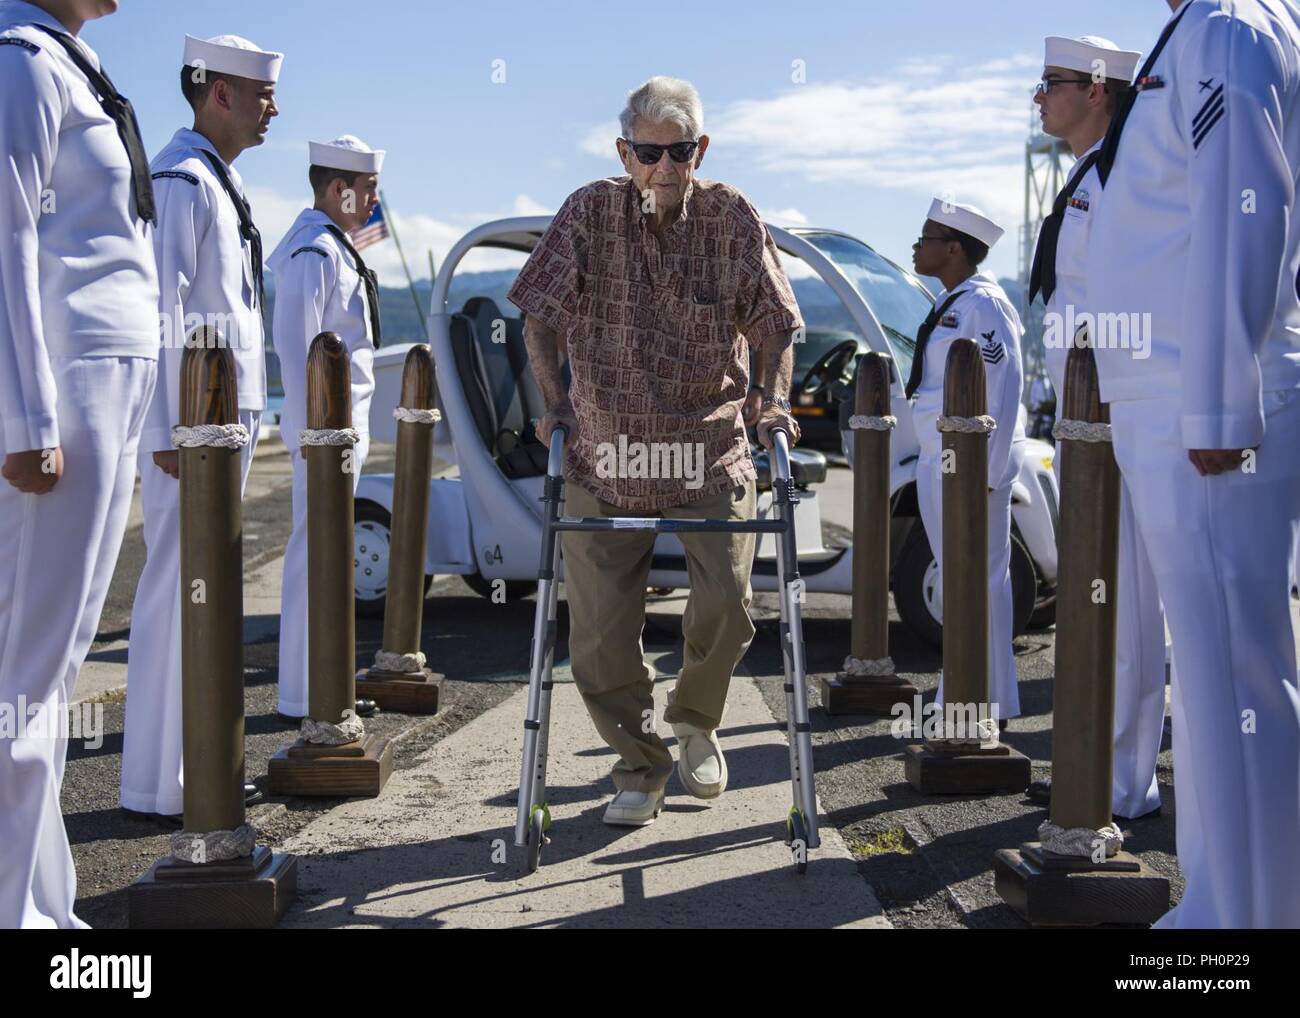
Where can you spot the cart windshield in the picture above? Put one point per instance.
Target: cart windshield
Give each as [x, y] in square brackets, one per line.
[897, 298]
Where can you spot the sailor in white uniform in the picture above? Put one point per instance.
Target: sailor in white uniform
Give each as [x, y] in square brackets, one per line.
[1197, 247]
[322, 285]
[78, 360]
[954, 241]
[209, 256]
[1082, 81]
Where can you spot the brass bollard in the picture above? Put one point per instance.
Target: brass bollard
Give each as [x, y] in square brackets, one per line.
[362, 765]
[331, 622]
[212, 601]
[964, 764]
[1087, 884]
[195, 890]
[414, 688]
[868, 684]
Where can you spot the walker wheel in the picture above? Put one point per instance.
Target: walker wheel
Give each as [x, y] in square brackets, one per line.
[537, 825]
[796, 831]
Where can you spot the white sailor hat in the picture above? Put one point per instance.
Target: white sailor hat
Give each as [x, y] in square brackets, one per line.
[966, 219]
[1091, 54]
[230, 54]
[347, 152]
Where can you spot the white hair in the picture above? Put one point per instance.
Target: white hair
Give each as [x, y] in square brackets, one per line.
[663, 99]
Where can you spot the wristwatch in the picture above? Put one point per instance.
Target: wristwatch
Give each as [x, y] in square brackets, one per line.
[780, 402]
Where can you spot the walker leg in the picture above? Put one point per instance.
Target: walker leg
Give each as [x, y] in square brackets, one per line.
[532, 817]
[799, 731]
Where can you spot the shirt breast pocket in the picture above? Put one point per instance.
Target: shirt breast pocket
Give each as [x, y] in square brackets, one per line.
[705, 314]
[712, 338]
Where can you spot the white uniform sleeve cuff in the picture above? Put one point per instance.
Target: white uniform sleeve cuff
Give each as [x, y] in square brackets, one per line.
[40, 431]
[1232, 431]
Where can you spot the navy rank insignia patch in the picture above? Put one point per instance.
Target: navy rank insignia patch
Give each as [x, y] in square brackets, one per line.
[1210, 113]
[991, 350]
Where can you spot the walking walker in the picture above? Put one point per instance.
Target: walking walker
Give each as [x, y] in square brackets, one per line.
[533, 818]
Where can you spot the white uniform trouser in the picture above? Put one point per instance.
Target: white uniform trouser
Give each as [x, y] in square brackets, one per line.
[293, 587]
[1220, 550]
[57, 555]
[1003, 690]
[1139, 670]
[151, 739]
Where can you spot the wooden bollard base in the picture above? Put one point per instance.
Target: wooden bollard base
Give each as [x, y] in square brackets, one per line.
[357, 768]
[408, 692]
[865, 694]
[250, 893]
[941, 768]
[1054, 890]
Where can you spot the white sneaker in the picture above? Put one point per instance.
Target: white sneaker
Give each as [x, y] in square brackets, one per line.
[700, 764]
[634, 809]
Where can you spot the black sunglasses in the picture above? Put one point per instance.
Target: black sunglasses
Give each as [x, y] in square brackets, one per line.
[1047, 84]
[678, 151]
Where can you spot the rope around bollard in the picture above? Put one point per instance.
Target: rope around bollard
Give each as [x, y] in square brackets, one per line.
[220, 436]
[981, 425]
[214, 846]
[387, 661]
[868, 666]
[1081, 431]
[327, 733]
[986, 733]
[1079, 841]
[865, 422]
[329, 436]
[416, 416]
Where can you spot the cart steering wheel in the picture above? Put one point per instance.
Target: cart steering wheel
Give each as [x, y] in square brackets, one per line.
[834, 367]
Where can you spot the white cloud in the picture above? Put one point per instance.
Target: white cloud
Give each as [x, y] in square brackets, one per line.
[599, 141]
[962, 135]
[928, 126]
[784, 217]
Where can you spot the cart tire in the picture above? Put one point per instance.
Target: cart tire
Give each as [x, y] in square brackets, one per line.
[371, 537]
[914, 578]
[910, 587]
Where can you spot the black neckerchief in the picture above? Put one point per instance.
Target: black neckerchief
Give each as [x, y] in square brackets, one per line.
[922, 338]
[118, 107]
[1110, 147]
[1043, 275]
[367, 276]
[247, 229]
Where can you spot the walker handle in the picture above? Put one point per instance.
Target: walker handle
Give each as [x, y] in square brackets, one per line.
[555, 460]
[781, 451]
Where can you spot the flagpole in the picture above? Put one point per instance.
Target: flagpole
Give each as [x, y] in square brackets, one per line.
[392, 228]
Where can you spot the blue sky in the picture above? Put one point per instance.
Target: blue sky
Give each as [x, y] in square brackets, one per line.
[900, 100]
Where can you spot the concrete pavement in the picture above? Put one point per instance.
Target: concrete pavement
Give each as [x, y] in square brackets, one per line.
[437, 848]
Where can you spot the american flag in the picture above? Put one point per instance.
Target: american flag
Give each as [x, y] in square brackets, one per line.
[375, 230]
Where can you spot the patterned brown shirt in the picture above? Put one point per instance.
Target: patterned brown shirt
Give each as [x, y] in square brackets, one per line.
[656, 330]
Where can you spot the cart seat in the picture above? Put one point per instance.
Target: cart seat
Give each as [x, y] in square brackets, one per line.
[499, 387]
[807, 467]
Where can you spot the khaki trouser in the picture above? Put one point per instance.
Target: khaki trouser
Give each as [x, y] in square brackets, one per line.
[605, 585]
